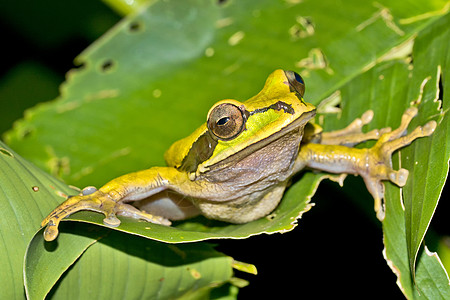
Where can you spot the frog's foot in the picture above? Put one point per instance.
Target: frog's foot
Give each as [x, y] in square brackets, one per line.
[352, 134]
[379, 158]
[98, 202]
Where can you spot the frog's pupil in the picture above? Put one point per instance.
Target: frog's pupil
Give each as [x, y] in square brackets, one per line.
[223, 121]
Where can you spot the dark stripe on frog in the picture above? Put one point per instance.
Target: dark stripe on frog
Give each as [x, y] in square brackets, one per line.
[280, 105]
[203, 148]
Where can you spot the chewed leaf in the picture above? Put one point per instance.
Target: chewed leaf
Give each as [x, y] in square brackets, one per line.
[151, 80]
[430, 166]
[427, 160]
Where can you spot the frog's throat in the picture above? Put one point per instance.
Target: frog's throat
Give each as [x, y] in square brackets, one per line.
[298, 123]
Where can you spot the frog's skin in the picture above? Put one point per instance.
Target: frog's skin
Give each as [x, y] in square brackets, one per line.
[236, 166]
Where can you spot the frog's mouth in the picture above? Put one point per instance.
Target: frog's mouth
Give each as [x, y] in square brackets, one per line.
[295, 125]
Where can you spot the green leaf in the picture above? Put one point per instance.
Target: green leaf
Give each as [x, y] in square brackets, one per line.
[147, 72]
[26, 191]
[431, 279]
[431, 55]
[12, 87]
[444, 252]
[152, 78]
[389, 83]
[117, 89]
[26, 194]
[45, 263]
[427, 161]
[124, 7]
[389, 88]
[110, 267]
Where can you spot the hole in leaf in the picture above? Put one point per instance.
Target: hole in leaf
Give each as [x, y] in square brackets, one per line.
[135, 26]
[271, 217]
[303, 28]
[26, 133]
[79, 64]
[6, 152]
[107, 66]
[441, 88]
[222, 2]
[35, 188]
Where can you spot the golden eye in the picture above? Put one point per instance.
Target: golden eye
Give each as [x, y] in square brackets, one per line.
[226, 121]
[296, 82]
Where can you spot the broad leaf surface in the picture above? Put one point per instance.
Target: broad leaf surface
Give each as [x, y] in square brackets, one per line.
[26, 193]
[427, 161]
[431, 279]
[152, 78]
[432, 58]
[117, 260]
[169, 271]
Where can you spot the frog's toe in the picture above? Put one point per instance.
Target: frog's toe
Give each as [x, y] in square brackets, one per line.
[388, 146]
[111, 220]
[130, 211]
[367, 117]
[399, 177]
[380, 213]
[429, 128]
[51, 231]
[411, 112]
[376, 189]
[407, 116]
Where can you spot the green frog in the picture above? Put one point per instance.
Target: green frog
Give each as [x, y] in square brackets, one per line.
[236, 166]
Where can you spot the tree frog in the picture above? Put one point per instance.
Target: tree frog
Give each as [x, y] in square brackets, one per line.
[236, 166]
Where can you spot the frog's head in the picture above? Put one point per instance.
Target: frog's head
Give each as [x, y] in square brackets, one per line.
[233, 126]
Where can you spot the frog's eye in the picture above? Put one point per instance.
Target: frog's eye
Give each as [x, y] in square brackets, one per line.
[296, 82]
[226, 121]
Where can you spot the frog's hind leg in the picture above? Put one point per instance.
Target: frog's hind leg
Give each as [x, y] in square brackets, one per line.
[98, 202]
[382, 151]
[352, 134]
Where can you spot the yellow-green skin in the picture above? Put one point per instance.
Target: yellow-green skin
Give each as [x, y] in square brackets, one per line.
[258, 128]
[241, 179]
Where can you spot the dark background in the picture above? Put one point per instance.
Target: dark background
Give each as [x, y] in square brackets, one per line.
[337, 248]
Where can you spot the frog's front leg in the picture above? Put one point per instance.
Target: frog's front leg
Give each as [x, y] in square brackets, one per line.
[373, 164]
[111, 198]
